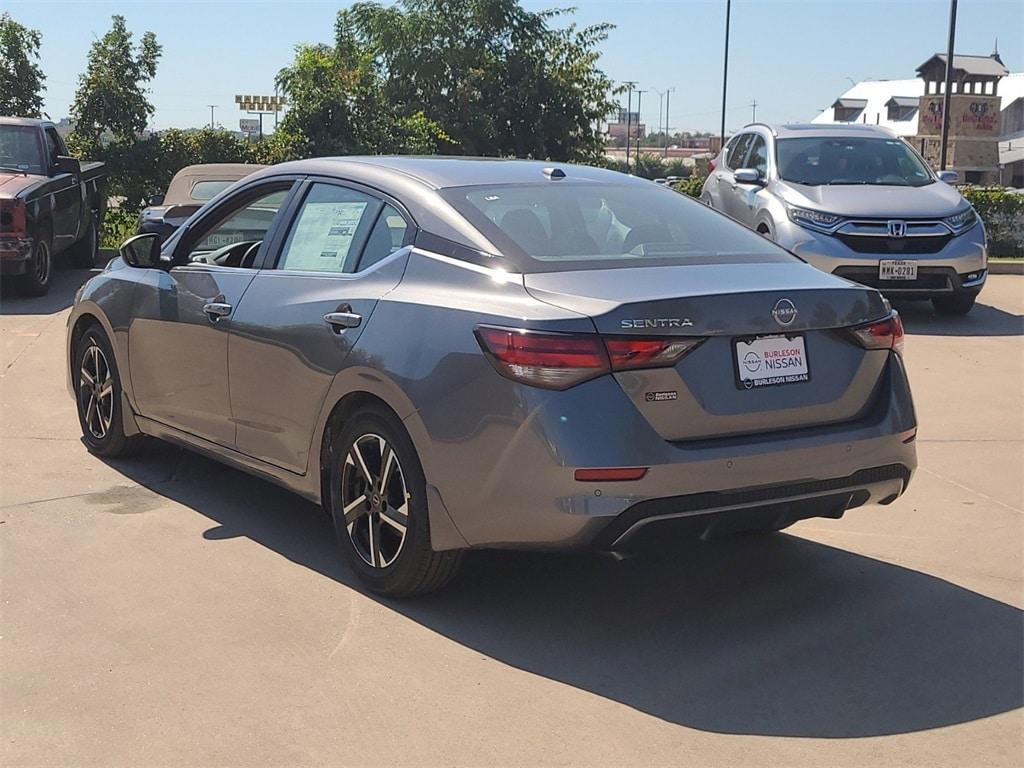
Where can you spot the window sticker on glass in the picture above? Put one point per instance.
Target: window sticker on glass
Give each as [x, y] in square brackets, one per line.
[323, 236]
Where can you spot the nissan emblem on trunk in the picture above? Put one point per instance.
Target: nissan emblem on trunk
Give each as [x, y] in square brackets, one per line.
[784, 312]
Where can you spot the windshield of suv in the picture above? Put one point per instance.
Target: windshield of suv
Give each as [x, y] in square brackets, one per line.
[561, 225]
[20, 148]
[826, 160]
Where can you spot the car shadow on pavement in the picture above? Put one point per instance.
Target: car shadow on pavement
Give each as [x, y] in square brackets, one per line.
[64, 283]
[771, 635]
[984, 320]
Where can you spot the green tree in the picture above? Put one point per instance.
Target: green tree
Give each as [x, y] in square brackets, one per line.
[21, 79]
[111, 93]
[482, 77]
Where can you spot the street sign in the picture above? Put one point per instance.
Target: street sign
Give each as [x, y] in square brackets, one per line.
[248, 125]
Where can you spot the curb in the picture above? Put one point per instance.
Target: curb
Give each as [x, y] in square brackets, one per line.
[1015, 267]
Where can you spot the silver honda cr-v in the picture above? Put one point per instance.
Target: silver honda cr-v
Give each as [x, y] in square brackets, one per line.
[856, 201]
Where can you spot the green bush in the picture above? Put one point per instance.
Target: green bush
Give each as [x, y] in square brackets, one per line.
[1002, 210]
[118, 225]
[691, 186]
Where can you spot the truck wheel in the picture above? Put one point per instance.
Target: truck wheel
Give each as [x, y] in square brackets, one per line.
[36, 280]
[86, 251]
[957, 304]
[378, 502]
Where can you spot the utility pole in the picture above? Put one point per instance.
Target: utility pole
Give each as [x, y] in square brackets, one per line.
[212, 107]
[661, 98]
[629, 113]
[947, 99]
[639, 138]
[668, 95]
[753, 111]
[725, 66]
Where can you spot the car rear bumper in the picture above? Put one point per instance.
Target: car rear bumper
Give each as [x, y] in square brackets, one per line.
[960, 265]
[524, 493]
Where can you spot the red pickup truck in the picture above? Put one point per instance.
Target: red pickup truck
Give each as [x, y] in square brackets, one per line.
[50, 203]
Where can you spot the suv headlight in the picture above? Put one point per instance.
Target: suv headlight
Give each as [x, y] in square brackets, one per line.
[964, 220]
[816, 220]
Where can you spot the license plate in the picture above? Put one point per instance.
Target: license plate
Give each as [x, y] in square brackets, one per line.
[770, 361]
[897, 269]
[221, 239]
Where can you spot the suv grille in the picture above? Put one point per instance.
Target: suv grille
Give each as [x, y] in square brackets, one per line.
[895, 245]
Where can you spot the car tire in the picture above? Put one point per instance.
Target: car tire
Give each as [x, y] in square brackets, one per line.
[377, 477]
[957, 304]
[36, 279]
[98, 397]
[85, 253]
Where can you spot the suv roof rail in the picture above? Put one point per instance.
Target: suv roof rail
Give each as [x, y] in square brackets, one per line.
[771, 128]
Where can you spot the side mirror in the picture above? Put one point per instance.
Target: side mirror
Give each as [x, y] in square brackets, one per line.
[70, 165]
[155, 200]
[748, 176]
[949, 177]
[141, 251]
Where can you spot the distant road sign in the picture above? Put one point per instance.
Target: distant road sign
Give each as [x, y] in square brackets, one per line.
[248, 125]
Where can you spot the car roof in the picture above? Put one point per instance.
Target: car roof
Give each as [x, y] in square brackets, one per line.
[440, 172]
[820, 130]
[24, 121]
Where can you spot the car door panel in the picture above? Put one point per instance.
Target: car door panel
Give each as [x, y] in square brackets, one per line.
[283, 355]
[178, 352]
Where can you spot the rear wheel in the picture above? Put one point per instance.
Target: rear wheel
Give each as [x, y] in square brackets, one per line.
[86, 251]
[98, 396]
[378, 504]
[36, 280]
[957, 304]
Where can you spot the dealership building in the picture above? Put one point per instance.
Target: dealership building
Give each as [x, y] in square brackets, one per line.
[986, 136]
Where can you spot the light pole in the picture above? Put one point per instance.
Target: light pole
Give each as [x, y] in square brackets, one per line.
[212, 107]
[639, 138]
[947, 98]
[661, 112]
[629, 114]
[668, 95]
[725, 66]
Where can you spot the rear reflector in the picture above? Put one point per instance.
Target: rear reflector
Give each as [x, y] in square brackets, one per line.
[610, 474]
[562, 360]
[883, 334]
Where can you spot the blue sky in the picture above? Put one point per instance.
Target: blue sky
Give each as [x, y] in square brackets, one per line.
[793, 57]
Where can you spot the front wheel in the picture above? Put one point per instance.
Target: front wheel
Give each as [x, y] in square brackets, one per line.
[36, 280]
[957, 304]
[98, 395]
[379, 507]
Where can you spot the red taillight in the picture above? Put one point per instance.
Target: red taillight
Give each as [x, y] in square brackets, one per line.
[711, 165]
[549, 360]
[562, 360]
[12, 218]
[882, 334]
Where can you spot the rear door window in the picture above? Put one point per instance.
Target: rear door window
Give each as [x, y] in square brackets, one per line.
[329, 230]
[386, 237]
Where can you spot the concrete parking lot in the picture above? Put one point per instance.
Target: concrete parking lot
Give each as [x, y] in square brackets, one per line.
[170, 611]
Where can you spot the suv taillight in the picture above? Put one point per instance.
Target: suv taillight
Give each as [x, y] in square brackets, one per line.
[562, 360]
[12, 218]
[881, 334]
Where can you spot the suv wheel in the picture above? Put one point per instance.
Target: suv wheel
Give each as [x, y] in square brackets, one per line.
[957, 304]
[378, 504]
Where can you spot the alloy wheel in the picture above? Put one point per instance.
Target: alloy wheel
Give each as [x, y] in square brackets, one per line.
[96, 392]
[374, 500]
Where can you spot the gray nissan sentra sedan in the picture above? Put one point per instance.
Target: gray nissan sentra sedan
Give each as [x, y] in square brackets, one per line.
[452, 353]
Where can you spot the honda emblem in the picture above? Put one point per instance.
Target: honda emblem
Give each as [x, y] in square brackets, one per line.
[897, 228]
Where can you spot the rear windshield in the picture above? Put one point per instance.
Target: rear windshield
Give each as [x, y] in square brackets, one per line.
[561, 225]
[205, 190]
[838, 161]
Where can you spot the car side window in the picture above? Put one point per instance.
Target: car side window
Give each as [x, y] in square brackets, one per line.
[739, 151]
[235, 240]
[386, 237]
[52, 145]
[329, 230]
[758, 157]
